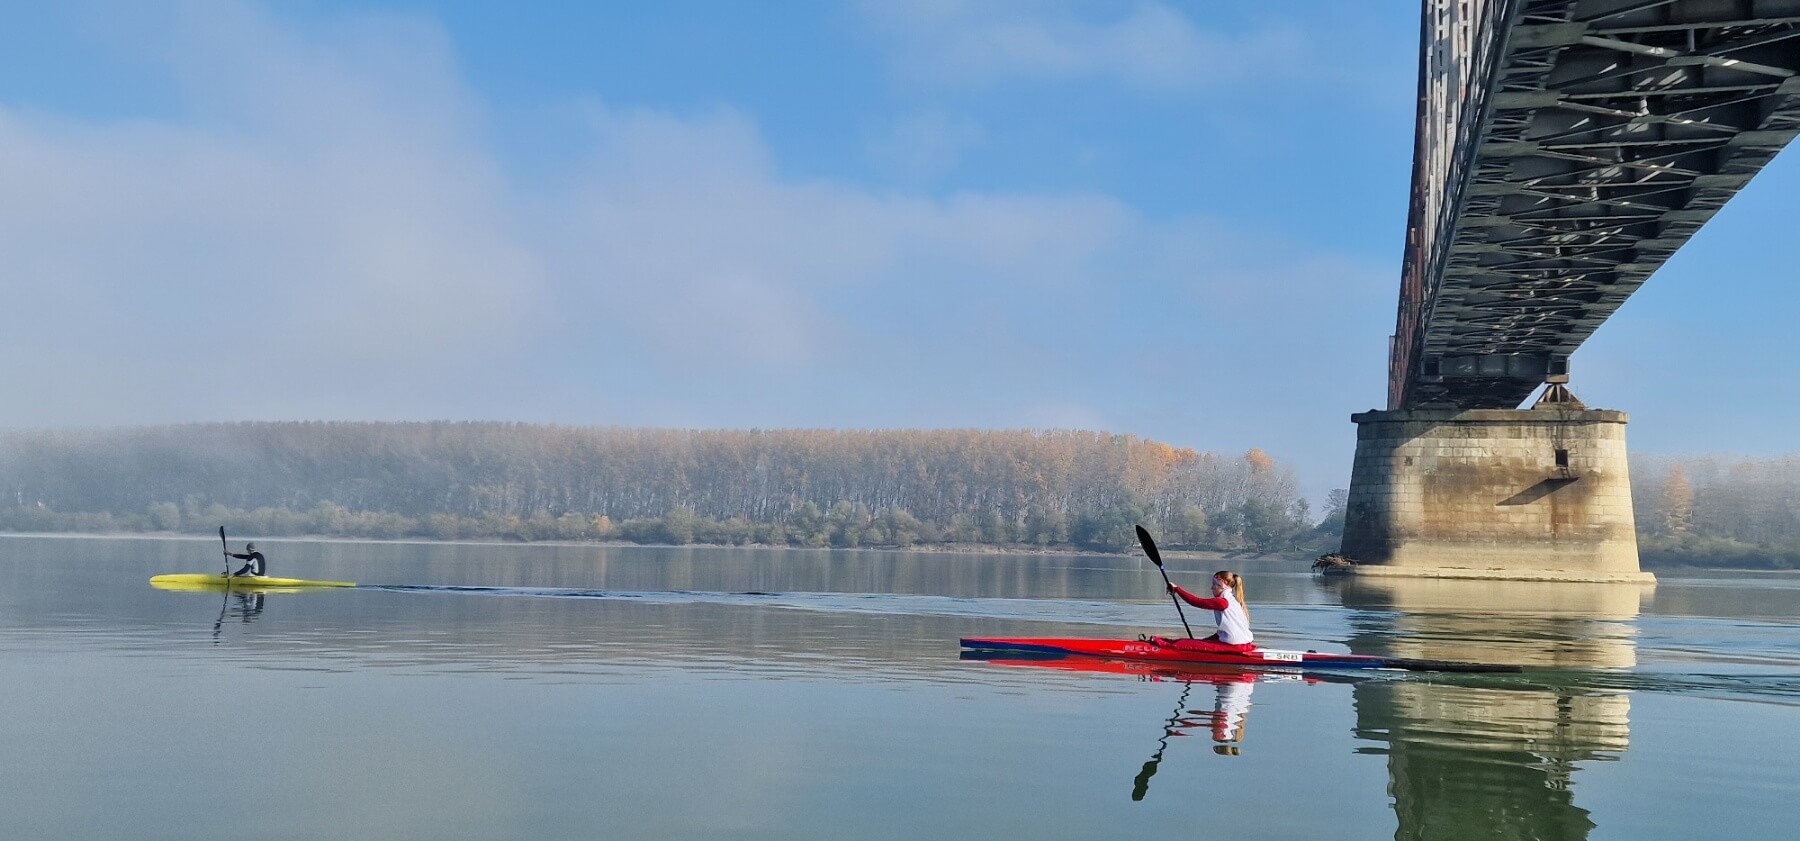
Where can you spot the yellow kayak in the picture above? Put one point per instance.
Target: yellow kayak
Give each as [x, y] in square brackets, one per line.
[200, 579]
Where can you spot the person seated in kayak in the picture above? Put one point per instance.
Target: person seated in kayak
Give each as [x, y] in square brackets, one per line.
[1227, 605]
[255, 565]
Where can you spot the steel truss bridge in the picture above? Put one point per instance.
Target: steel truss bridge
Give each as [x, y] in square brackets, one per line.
[1565, 149]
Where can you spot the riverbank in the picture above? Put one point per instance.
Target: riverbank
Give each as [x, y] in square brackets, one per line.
[1655, 554]
[1706, 553]
[1299, 557]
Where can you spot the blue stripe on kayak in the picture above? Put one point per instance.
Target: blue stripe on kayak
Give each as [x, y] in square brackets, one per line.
[1346, 664]
[996, 645]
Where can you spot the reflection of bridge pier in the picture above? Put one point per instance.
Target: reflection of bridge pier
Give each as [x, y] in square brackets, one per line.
[1481, 759]
[1508, 774]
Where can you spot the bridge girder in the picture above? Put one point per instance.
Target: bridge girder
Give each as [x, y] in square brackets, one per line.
[1567, 148]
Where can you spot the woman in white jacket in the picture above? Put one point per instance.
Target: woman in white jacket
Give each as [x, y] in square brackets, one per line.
[1229, 613]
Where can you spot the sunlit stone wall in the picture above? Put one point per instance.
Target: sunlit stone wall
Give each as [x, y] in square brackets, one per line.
[1492, 493]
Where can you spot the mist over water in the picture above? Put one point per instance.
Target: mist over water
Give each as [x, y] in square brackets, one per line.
[509, 691]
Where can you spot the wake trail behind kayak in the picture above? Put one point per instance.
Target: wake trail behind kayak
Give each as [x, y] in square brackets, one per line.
[1062, 611]
[1289, 626]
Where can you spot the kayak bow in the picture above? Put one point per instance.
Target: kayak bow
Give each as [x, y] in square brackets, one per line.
[1260, 658]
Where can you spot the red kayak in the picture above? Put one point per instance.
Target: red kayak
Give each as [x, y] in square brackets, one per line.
[1189, 672]
[1145, 651]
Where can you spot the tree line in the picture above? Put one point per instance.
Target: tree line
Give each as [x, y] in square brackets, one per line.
[842, 488]
[1716, 511]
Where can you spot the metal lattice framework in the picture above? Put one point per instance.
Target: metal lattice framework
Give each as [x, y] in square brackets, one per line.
[1565, 149]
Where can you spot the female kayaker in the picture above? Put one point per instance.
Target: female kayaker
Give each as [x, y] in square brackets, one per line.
[1227, 605]
[255, 564]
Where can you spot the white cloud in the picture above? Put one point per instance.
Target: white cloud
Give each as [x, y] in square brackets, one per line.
[324, 214]
[679, 233]
[924, 144]
[1149, 46]
[346, 245]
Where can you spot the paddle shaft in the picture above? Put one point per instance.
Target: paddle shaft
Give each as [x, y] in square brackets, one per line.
[224, 598]
[1177, 600]
[1149, 545]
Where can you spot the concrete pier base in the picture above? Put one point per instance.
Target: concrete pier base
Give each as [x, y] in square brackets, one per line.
[1525, 494]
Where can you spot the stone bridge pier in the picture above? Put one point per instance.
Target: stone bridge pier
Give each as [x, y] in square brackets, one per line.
[1529, 494]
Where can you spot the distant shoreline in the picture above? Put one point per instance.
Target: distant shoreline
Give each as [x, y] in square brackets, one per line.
[1652, 560]
[931, 549]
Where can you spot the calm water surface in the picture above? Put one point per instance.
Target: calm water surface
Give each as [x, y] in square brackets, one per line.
[540, 692]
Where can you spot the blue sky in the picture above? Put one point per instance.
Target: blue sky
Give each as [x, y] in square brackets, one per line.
[1181, 221]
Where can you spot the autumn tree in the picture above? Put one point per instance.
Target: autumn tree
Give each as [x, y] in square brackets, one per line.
[1677, 502]
[530, 482]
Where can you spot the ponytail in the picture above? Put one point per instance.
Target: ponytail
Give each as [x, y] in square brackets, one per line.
[1236, 583]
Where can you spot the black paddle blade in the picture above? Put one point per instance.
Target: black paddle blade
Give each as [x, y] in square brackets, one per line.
[1149, 545]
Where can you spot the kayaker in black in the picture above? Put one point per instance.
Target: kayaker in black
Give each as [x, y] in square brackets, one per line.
[257, 564]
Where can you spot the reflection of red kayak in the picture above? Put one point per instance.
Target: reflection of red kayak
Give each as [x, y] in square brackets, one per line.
[1140, 651]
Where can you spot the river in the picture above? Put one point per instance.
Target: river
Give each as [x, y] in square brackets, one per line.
[471, 691]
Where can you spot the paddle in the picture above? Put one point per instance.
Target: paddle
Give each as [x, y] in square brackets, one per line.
[219, 624]
[1156, 558]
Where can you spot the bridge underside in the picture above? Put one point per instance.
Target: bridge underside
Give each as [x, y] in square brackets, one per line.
[1566, 149]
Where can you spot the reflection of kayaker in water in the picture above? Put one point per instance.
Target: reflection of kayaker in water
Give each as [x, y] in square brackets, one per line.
[249, 606]
[1227, 605]
[1230, 707]
[255, 564]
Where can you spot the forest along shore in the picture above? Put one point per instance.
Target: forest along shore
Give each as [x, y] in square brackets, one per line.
[955, 490]
[1199, 558]
[902, 489]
